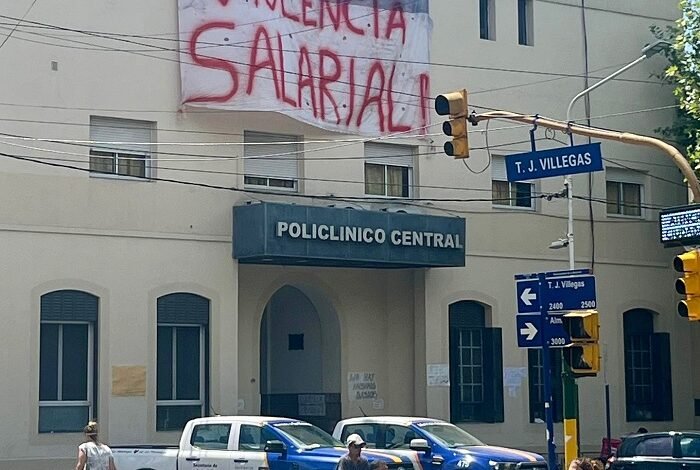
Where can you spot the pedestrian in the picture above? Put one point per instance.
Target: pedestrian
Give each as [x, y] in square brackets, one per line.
[354, 460]
[584, 463]
[92, 454]
[378, 465]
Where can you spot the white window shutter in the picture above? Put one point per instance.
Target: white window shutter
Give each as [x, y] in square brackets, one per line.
[135, 136]
[278, 158]
[498, 168]
[389, 154]
[623, 175]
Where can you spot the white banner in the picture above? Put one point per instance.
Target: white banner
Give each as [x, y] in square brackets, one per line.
[353, 66]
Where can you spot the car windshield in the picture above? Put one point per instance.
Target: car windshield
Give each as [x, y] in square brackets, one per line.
[307, 435]
[450, 435]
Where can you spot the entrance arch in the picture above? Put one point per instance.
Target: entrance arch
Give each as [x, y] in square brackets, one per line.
[300, 357]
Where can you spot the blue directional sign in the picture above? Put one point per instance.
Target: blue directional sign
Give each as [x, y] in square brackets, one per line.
[561, 294]
[554, 162]
[527, 292]
[531, 332]
[555, 334]
[528, 329]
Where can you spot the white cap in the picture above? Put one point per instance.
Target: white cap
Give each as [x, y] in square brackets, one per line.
[355, 439]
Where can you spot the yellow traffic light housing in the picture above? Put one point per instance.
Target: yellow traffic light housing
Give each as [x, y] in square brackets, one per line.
[689, 285]
[455, 105]
[583, 356]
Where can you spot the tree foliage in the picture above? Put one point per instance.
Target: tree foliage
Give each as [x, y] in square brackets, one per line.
[684, 73]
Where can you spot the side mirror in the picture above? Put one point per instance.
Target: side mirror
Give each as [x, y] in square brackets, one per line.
[420, 445]
[275, 446]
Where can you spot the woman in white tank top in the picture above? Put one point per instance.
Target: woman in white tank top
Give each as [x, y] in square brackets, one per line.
[94, 455]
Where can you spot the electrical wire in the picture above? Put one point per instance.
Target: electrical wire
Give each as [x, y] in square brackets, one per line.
[121, 36]
[346, 199]
[178, 61]
[149, 165]
[19, 21]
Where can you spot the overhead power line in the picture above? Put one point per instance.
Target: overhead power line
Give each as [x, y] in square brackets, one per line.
[409, 202]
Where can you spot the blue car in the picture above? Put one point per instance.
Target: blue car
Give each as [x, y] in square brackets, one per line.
[247, 443]
[435, 444]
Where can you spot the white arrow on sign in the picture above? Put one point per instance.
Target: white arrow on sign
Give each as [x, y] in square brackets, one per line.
[528, 296]
[530, 330]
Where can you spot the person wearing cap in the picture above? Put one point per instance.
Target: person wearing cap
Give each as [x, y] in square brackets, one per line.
[354, 460]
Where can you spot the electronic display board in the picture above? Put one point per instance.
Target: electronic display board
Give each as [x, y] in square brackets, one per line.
[680, 226]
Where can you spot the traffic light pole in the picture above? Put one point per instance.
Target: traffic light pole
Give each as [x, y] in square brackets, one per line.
[623, 137]
[547, 379]
[570, 395]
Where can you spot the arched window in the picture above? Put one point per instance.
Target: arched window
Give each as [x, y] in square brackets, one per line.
[67, 360]
[182, 388]
[647, 368]
[476, 365]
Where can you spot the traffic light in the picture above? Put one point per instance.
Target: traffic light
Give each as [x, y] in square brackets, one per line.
[583, 356]
[455, 105]
[688, 263]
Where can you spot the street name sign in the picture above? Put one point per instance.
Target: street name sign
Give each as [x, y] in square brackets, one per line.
[554, 162]
[531, 332]
[543, 298]
[568, 293]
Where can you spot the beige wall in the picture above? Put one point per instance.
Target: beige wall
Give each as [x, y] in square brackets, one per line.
[129, 241]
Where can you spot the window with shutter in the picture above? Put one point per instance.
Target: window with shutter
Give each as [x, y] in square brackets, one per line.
[516, 194]
[272, 160]
[624, 192]
[182, 350]
[67, 360]
[648, 394]
[476, 365]
[388, 169]
[121, 146]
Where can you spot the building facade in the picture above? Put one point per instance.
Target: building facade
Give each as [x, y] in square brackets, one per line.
[162, 261]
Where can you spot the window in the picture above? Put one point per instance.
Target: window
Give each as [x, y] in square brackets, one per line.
[504, 193]
[690, 446]
[476, 365]
[536, 385]
[182, 360]
[398, 437]
[296, 342]
[131, 156]
[661, 446]
[647, 369]
[525, 23]
[254, 438]
[271, 160]
[624, 192]
[388, 169]
[487, 19]
[211, 436]
[67, 361]
[367, 431]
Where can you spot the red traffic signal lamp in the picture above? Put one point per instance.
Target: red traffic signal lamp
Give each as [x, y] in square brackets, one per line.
[688, 263]
[583, 356]
[455, 105]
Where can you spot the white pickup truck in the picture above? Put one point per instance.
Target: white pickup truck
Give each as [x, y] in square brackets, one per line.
[246, 443]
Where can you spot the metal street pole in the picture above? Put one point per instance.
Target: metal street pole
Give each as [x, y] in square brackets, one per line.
[547, 379]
